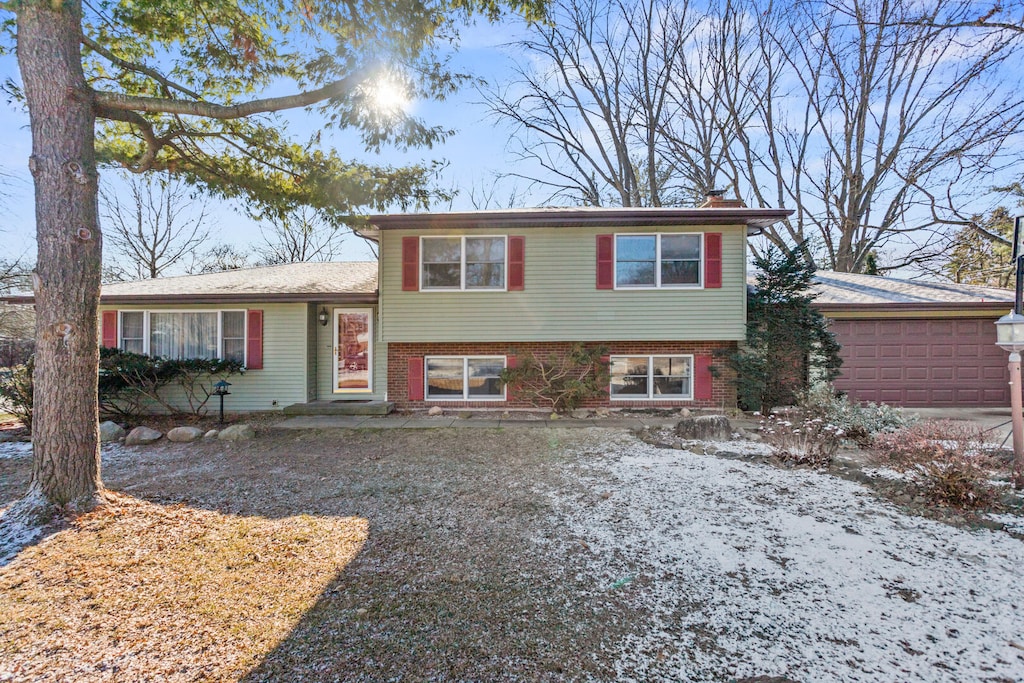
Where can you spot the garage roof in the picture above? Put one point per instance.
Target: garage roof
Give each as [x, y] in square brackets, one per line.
[847, 290]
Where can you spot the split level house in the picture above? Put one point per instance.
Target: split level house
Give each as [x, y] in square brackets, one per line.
[457, 297]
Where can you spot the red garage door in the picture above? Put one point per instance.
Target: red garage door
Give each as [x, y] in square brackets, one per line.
[927, 362]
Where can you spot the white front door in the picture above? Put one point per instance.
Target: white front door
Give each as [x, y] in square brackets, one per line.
[353, 350]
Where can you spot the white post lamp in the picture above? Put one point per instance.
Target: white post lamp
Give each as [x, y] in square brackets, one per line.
[1010, 337]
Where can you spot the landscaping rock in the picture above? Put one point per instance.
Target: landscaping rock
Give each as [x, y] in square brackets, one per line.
[237, 433]
[110, 431]
[601, 412]
[184, 434]
[212, 434]
[685, 412]
[435, 411]
[141, 436]
[705, 428]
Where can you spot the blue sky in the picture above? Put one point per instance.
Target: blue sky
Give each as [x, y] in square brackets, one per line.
[475, 154]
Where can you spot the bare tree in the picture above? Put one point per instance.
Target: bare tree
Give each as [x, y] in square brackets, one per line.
[891, 127]
[591, 112]
[870, 123]
[300, 235]
[154, 228]
[219, 257]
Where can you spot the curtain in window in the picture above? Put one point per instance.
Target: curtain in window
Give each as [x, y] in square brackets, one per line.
[183, 335]
[133, 331]
[233, 333]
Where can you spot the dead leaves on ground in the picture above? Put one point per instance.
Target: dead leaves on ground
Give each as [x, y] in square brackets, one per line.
[139, 591]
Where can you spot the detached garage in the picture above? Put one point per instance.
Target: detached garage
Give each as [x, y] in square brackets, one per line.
[916, 344]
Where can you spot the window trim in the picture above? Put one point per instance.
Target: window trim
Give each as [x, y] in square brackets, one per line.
[651, 396]
[462, 265]
[146, 327]
[657, 262]
[465, 380]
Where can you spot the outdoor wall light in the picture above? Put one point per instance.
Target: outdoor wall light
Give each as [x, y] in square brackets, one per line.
[323, 317]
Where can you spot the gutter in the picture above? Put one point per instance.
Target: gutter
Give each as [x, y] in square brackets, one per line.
[241, 298]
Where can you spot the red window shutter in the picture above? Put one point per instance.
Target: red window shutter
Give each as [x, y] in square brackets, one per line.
[510, 362]
[713, 260]
[702, 378]
[606, 261]
[410, 264]
[110, 329]
[516, 263]
[415, 378]
[254, 340]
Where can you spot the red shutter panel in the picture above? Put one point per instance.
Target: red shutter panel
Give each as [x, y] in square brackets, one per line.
[415, 378]
[713, 260]
[410, 264]
[254, 340]
[606, 261]
[110, 329]
[702, 378]
[516, 263]
[510, 362]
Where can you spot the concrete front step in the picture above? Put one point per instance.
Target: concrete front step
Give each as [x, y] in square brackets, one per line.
[340, 408]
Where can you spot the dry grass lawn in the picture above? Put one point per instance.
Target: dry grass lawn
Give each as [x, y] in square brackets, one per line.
[320, 556]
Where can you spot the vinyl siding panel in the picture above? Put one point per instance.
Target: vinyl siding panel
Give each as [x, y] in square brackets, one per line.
[560, 300]
[325, 361]
[282, 381]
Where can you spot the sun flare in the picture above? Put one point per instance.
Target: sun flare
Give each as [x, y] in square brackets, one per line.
[390, 97]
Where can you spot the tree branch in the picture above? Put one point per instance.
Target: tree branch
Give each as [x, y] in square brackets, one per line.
[137, 68]
[158, 105]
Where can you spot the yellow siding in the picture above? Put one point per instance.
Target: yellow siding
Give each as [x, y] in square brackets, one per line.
[282, 381]
[560, 300]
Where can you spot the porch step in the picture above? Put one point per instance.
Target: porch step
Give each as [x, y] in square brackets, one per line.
[340, 408]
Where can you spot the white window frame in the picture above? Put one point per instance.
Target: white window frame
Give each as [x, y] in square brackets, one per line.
[651, 396]
[657, 262]
[465, 379]
[146, 329]
[462, 266]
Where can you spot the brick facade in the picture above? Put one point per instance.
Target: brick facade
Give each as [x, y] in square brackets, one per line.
[723, 391]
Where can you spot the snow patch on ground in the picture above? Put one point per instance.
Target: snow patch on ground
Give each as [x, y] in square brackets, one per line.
[1013, 523]
[15, 449]
[743, 570]
[888, 473]
[16, 530]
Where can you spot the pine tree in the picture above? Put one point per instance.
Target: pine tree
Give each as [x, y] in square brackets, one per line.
[788, 341]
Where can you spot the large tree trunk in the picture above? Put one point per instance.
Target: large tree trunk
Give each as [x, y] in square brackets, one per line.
[66, 468]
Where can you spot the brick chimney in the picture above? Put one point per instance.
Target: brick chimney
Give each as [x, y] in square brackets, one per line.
[716, 200]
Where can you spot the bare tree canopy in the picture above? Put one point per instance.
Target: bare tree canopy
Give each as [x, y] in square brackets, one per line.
[156, 226]
[301, 235]
[217, 258]
[859, 115]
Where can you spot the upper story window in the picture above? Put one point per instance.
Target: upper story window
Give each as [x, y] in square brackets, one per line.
[184, 334]
[463, 263]
[658, 260]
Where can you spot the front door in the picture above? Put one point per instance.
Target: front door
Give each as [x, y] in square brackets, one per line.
[353, 350]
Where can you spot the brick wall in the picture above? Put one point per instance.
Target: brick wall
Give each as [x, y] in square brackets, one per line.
[723, 392]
